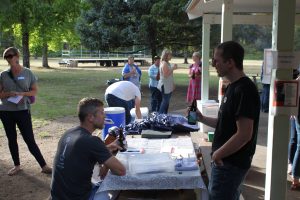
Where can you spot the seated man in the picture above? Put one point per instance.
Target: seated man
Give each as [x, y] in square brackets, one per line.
[124, 94]
[131, 72]
[78, 151]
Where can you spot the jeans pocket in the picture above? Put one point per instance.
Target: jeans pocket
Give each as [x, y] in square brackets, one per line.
[214, 164]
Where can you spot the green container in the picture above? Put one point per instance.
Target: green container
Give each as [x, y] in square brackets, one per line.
[210, 136]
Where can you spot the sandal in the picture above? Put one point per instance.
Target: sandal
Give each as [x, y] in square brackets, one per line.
[46, 170]
[14, 171]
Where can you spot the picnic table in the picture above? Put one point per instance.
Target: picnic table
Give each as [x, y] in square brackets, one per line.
[155, 169]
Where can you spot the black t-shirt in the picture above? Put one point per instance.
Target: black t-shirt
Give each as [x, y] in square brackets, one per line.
[241, 99]
[77, 153]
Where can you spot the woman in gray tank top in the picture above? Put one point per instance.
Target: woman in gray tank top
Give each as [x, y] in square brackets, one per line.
[166, 82]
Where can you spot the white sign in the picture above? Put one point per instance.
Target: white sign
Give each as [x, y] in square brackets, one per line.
[278, 60]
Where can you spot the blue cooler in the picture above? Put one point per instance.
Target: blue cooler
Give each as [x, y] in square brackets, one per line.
[115, 116]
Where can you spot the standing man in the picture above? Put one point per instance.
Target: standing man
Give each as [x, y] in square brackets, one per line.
[236, 126]
[131, 72]
[77, 153]
[126, 95]
[154, 77]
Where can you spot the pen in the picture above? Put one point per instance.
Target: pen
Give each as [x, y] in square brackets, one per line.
[133, 151]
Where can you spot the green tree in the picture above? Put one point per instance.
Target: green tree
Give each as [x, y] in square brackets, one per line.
[54, 18]
[174, 29]
[19, 12]
[152, 23]
[105, 25]
[40, 19]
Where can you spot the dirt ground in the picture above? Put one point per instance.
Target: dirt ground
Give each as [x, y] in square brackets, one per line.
[30, 183]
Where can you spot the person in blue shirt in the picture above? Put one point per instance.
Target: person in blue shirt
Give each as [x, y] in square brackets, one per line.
[131, 72]
[265, 94]
[154, 76]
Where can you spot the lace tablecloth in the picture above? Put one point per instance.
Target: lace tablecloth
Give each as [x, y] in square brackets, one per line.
[163, 175]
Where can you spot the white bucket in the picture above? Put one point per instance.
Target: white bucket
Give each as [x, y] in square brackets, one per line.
[144, 111]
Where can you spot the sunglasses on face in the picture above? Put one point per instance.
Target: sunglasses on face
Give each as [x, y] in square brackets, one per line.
[9, 56]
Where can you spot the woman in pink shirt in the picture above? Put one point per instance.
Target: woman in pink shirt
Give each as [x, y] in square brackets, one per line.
[195, 71]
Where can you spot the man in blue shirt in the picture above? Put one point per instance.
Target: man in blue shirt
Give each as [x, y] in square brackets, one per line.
[131, 72]
[153, 73]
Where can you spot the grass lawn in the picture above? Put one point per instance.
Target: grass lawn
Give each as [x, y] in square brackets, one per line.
[61, 88]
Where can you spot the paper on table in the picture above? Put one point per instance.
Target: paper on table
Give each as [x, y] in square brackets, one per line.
[15, 99]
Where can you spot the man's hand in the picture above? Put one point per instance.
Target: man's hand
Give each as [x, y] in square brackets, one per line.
[133, 71]
[114, 146]
[217, 159]
[199, 115]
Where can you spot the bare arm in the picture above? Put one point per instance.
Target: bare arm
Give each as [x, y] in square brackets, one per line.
[209, 121]
[113, 147]
[129, 74]
[138, 108]
[115, 166]
[4, 95]
[166, 70]
[32, 92]
[237, 141]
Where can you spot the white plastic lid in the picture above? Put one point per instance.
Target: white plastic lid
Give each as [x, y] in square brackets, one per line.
[114, 110]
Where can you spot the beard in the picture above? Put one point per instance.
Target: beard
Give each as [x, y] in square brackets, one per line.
[98, 125]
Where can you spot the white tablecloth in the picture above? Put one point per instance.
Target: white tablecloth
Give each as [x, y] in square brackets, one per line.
[162, 178]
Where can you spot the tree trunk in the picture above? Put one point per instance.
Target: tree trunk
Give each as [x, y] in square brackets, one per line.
[25, 46]
[153, 52]
[152, 40]
[45, 55]
[185, 58]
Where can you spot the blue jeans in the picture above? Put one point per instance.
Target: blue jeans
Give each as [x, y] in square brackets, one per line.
[225, 182]
[93, 192]
[155, 99]
[114, 101]
[265, 95]
[164, 106]
[294, 148]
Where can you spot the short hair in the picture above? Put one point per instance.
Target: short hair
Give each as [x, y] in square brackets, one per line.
[197, 54]
[232, 50]
[165, 53]
[131, 56]
[13, 50]
[88, 106]
[156, 58]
